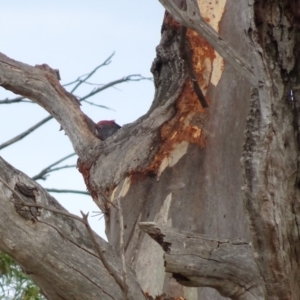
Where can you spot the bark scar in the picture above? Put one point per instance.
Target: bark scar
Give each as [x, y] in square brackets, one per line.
[28, 194]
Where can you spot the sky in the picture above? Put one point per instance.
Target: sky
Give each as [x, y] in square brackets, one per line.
[75, 37]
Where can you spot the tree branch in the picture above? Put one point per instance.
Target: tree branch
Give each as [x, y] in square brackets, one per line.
[83, 220]
[15, 100]
[59, 246]
[100, 252]
[198, 260]
[49, 169]
[97, 105]
[133, 77]
[89, 75]
[192, 18]
[41, 85]
[25, 133]
[94, 92]
[67, 191]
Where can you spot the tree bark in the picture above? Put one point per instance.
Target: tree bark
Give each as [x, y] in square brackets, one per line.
[197, 180]
[200, 260]
[179, 165]
[54, 249]
[271, 151]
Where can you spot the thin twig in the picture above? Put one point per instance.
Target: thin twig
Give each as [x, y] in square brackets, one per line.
[98, 105]
[49, 169]
[81, 81]
[83, 220]
[53, 170]
[25, 133]
[67, 191]
[93, 84]
[10, 101]
[106, 86]
[100, 252]
[118, 81]
[98, 213]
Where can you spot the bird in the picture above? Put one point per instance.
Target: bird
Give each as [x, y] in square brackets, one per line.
[106, 128]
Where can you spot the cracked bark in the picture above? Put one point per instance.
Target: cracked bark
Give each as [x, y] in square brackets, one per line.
[179, 164]
[197, 260]
[55, 250]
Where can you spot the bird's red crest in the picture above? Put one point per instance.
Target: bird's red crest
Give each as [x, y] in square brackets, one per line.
[106, 122]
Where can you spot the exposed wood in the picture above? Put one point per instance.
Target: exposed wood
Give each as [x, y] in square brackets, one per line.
[179, 165]
[177, 157]
[192, 18]
[199, 260]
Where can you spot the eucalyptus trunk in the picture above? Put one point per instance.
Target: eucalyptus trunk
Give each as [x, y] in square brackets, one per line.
[197, 196]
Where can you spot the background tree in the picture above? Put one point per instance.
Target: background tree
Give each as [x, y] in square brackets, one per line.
[178, 166]
[14, 284]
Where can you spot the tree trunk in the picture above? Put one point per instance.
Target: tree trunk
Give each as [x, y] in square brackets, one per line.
[180, 165]
[193, 182]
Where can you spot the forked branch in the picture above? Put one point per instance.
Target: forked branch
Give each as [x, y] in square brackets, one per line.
[61, 244]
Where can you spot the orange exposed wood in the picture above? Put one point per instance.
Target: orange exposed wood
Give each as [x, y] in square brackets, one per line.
[188, 122]
[84, 169]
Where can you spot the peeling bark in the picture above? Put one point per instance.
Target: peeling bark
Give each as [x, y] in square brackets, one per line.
[200, 260]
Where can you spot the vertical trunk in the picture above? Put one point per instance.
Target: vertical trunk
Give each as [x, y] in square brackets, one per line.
[271, 155]
[194, 180]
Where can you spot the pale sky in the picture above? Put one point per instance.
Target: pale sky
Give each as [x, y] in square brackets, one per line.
[74, 37]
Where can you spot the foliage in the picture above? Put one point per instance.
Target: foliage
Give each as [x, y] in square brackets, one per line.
[14, 283]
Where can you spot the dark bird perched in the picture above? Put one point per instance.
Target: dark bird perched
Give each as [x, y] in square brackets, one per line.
[105, 129]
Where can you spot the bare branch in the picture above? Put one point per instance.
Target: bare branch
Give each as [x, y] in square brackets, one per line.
[92, 234]
[134, 77]
[25, 133]
[81, 81]
[56, 169]
[38, 205]
[41, 85]
[71, 245]
[49, 169]
[100, 252]
[192, 18]
[67, 191]
[95, 91]
[98, 105]
[198, 260]
[15, 100]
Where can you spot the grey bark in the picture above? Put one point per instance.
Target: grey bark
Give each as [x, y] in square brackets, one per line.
[197, 260]
[55, 250]
[179, 165]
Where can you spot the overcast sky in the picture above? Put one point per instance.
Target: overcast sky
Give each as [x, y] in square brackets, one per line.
[74, 37]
